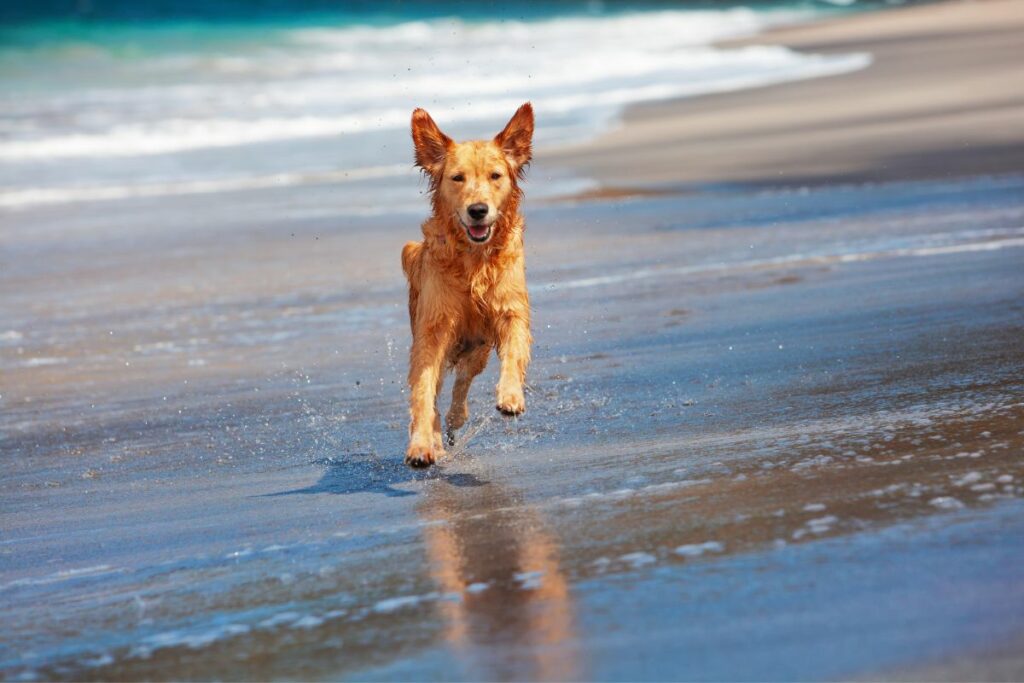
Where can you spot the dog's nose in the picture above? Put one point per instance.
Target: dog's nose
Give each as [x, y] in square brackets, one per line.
[477, 211]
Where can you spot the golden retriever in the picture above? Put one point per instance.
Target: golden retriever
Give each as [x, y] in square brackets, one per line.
[467, 279]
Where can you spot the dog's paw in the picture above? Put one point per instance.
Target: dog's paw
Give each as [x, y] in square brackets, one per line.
[420, 456]
[511, 401]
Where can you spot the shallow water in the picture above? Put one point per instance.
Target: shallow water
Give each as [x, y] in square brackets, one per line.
[778, 447]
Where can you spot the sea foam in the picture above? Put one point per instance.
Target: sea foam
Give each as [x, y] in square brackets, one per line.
[307, 105]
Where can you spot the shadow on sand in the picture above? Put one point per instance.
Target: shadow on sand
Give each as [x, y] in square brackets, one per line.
[368, 473]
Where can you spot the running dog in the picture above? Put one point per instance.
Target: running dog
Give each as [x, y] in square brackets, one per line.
[467, 278]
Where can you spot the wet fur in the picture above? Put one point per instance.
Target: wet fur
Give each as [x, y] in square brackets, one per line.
[466, 299]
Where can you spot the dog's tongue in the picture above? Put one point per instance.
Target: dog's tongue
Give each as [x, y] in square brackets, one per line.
[478, 230]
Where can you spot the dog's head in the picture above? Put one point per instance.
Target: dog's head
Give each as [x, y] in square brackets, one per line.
[474, 183]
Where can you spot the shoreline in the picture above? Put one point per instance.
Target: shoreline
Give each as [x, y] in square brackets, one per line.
[939, 100]
[761, 443]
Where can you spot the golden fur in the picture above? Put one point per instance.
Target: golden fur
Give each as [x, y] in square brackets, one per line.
[467, 278]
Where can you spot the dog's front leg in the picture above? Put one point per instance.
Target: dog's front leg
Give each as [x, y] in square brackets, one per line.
[513, 332]
[429, 347]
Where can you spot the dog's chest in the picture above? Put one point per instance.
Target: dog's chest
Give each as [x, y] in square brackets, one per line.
[480, 303]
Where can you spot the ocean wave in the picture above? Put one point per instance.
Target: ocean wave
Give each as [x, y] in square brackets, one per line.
[34, 196]
[332, 82]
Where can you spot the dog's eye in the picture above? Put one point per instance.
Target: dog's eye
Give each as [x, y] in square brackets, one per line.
[458, 177]
[495, 175]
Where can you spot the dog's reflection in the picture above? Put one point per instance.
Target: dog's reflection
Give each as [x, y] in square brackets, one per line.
[515, 618]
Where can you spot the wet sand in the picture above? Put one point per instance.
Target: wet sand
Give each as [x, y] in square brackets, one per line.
[772, 434]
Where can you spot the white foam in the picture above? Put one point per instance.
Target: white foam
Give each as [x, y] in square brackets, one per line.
[529, 580]
[990, 245]
[307, 622]
[330, 82]
[698, 549]
[394, 604]
[63, 575]
[194, 639]
[638, 559]
[279, 619]
[178, 135]
[27, 197]
[1010, 239]
[821, 525]
[98, 661]
[625, 493]
[42, 361]
[968, 478]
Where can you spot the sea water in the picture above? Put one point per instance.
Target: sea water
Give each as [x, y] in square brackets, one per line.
[134, 103]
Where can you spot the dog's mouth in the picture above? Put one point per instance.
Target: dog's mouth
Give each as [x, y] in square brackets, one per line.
[478, 233]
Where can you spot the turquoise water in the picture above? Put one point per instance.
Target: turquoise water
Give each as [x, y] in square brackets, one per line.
[360, 12]
[124, 101]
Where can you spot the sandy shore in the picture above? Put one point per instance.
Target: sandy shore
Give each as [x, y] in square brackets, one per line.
[753, 427]
[941, 99]
[771, 435]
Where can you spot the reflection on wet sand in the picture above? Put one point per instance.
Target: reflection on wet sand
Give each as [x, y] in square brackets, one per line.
[513, 618]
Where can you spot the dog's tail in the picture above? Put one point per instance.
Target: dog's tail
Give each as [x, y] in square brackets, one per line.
[410, 258]
[412, 254]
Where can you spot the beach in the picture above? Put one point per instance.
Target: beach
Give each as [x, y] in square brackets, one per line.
[939, 101]
[773, 428]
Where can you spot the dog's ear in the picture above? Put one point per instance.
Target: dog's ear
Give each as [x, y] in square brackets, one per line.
[516, 139]
[431, 144]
